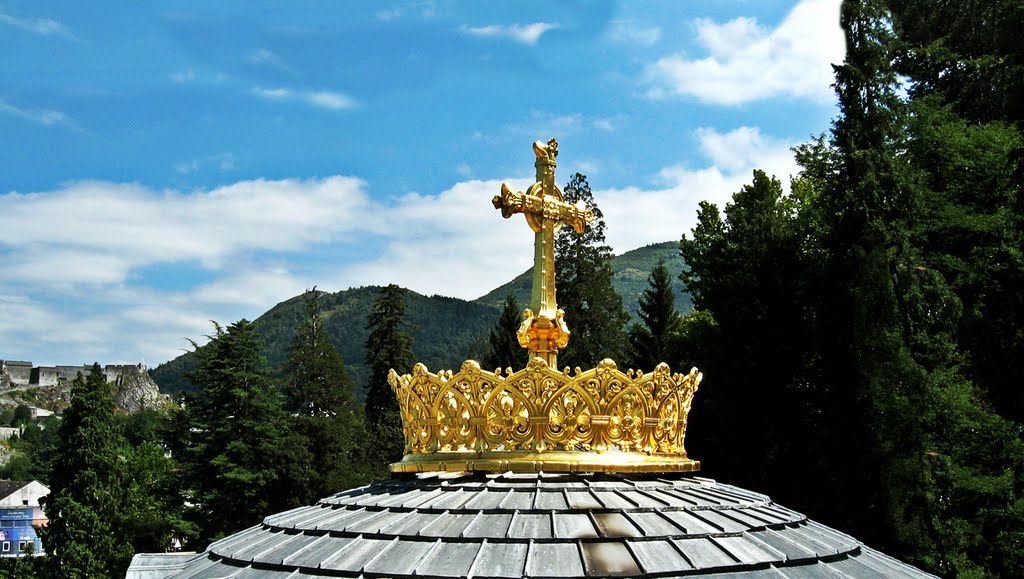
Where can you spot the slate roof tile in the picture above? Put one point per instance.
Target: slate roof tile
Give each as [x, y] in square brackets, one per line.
[608, 559]
[537, 525]
[501, 560]
[556, 560]
[658, 556]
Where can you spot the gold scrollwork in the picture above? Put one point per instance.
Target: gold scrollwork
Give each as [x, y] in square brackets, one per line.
[542, 419]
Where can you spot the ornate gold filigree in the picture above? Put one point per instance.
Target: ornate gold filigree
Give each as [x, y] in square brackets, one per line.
[543, 331]
[542, 419]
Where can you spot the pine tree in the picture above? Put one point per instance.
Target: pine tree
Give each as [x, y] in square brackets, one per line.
[388, 347]
[593, 309]
[865, 359]
[316, 383]
[83, 537]
[750, 331]
[658, 312]
[504, 350]
[234, 457]
[330, 424]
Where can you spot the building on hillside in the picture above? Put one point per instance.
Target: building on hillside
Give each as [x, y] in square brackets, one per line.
[20, 514]
[6, 432]
[44, 376]
[14, 373]
[39, 412]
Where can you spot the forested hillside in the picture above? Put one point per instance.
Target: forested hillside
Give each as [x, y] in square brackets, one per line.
[445, 330]
[630, 278]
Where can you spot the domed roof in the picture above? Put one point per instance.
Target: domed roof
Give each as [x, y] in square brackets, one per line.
[535, 525]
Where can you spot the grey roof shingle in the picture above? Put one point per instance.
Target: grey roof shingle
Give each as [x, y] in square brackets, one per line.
[536, 525]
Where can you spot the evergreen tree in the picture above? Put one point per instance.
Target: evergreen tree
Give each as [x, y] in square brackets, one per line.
[388, 346]
[658, 312]
[750, 330]
[330, 424]
[316, 383]
[593, 309]
[237, 425]
[152, 506]
[84, 537]
[865, 360]
[503, 349]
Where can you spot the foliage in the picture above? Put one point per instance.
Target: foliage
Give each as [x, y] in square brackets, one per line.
[235, 444]
[630, 273]
[23, 567]
[388, 347]
[330, 424]
[152, 505]
[503, 349]
[843, 325]
[583, 278]
[34, 451]
[648, 343]
[442, 328]
[745, 277]
[83, 538]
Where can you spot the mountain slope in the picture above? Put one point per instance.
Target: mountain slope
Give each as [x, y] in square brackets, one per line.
[445, 330]
[630, 279]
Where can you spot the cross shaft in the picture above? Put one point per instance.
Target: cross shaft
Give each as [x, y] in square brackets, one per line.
[543, 331]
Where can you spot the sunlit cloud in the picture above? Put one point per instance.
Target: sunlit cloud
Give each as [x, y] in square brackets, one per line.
[42, 26]
[41, 116]
[322, 99]
[747, 62]
[629, 32]
[527, 34]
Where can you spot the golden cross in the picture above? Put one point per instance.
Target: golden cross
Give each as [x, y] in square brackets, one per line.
[543, 331]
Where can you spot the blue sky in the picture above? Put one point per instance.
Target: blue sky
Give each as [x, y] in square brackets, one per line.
[169, 163]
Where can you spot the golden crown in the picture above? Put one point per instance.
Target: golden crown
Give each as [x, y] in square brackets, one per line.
[598, 420]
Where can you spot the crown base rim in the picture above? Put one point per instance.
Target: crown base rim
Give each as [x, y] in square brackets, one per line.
[555, 461]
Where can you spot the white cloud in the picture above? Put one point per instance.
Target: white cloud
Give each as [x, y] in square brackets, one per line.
[454, 243]
[527, 34]
[41, 116]
[629, 32]
[43, 26]
[322, 99]
[183, 76]
[330, 100]
[140, 227]
[251, 286]
[388, 15]
[747, 62]
[637, 217]
[89, 247]
[264, 56]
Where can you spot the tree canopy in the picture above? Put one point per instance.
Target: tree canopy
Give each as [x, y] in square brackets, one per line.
[593, 309]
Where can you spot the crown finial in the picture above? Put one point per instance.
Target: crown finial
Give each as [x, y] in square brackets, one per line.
[538, 418]
[544, 331]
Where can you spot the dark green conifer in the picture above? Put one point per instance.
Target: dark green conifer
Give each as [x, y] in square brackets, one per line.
[330, 424]
[593, 309]
[233, 461]
[388, 346]
[503, 349]
[658, 311]
[84, 537]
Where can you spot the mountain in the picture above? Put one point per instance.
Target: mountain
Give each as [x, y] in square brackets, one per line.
[446, 331]
[443, 330]
[630, 279]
